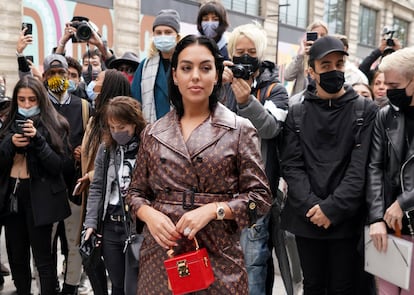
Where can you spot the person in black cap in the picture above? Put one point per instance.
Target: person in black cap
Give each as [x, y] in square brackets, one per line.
[324, 154]
[127, 64]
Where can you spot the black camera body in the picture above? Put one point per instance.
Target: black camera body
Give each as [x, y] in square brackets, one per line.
[83, 29]
[244, 71]
[388, 34]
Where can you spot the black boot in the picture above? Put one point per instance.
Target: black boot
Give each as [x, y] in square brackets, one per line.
[69, 289]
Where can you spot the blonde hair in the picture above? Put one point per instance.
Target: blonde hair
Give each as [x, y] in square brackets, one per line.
[254, 32]
[401, 60]
[317, 23]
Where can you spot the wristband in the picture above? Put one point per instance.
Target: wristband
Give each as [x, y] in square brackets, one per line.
[19, 54]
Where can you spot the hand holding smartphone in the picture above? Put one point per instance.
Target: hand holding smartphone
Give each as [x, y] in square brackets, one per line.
[20, 125]
[29, 27]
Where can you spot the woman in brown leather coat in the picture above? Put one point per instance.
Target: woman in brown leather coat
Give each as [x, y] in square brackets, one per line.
[197, 169]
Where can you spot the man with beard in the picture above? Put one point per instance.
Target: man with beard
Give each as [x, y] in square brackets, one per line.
[324, 154]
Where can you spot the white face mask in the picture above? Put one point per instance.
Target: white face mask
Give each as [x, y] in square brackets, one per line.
[165, 43]
[89, 91]
[209, 28]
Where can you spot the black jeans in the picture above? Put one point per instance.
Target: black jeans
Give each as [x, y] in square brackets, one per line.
[330, 267]
[21, 234]
[113, 244]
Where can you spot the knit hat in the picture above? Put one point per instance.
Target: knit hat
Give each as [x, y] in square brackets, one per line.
[167, 17]
[54, 61]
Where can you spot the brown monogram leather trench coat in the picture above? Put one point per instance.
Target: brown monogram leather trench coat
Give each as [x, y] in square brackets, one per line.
[220, 162]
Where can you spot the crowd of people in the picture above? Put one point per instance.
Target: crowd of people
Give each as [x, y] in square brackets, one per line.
[200, 141]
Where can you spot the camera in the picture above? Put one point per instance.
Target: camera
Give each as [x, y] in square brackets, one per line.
[83, 29]
[244, 71]
[388, 33]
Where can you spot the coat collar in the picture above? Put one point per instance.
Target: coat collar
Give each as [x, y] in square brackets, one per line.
[167, 130]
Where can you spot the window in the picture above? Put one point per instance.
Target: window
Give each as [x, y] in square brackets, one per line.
[250, 7]
[294, 12]
[334, 16]
[401, 30]
[367, 26]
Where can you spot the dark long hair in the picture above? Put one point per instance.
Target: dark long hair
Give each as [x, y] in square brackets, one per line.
[114, 84]
[126, 110]
[176, 98]
[55, 124]
[218, 9]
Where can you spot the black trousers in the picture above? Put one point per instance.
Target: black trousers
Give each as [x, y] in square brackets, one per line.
[21, 235]
[330, 267]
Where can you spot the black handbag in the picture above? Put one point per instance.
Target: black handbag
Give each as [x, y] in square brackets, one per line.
[90, 250]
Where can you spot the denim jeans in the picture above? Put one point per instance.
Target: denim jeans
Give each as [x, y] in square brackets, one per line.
[254, 242]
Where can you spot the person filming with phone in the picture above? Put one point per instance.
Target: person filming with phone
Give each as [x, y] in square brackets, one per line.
[33, 152]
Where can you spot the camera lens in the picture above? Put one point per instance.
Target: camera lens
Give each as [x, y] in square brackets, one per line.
[390, 42]
[84, 32]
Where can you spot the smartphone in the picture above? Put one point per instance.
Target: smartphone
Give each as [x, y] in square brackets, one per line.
[311, 36]
[76, 189]
[30, 57]
[20, 125]
[29, 27]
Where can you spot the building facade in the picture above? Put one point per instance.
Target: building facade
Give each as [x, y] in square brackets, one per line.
[126, 24]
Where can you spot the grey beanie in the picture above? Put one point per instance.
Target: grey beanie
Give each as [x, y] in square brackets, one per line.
[167, 17]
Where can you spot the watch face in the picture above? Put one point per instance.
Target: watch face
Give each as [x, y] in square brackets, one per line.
[220, 213]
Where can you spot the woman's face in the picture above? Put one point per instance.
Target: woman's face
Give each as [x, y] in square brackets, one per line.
[195, 74]
[245, 46]
[363, 90]
[118, 126]
[98, 82]
[26, 98]
[210, 17]
[378, 86]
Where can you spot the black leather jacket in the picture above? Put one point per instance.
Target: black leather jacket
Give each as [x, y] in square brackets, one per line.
[391, 167]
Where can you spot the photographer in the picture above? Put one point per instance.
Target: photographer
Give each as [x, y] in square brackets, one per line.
[252, 90]
[388, 44]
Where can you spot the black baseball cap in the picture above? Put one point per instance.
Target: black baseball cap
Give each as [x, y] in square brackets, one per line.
[325, 45]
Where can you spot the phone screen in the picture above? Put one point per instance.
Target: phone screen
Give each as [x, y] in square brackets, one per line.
[311, 36]
[29, 28]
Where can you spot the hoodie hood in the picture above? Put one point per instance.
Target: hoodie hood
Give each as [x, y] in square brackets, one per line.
[350, 94]
[269, 73]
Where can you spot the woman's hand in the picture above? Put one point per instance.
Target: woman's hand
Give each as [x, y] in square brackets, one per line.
[28, 129]
[227, 73]
[19, 140]
[23, 41]
[241, 89]
[161, 227]
[393, 216]
[193, 221]
[378, 234]
[84, 182]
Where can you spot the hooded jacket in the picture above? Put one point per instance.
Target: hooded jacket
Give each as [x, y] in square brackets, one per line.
[322, 165]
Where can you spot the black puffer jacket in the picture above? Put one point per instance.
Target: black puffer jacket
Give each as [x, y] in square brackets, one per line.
[391, 167]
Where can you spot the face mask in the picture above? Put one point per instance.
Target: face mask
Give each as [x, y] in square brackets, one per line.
[332, 82]
[57, 84]
[128, 76]
[72, 86]
[248, 60]
[121, 137]
[164, 43]
[89, 76]
[28, 113]
[399, 98]
[89, 91]
[209, 28]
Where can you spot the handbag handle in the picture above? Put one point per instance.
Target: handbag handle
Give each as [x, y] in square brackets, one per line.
[170, 252]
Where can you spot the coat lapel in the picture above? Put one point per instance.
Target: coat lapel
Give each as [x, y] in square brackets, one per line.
[168, 132]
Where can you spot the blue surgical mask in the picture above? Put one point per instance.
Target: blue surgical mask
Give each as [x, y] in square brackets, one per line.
[89, 91]
[165, 43]
[209, 28]
[121, 137]
[28, 113]
[72, 86]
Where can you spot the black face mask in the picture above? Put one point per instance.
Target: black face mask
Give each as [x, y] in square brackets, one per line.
[332, 82]
[247, 60]
[398, 97]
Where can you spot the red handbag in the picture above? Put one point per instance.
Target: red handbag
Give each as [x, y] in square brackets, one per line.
[189, 272]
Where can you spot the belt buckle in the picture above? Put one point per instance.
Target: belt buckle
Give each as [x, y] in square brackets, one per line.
[189, 193]
[117, 218]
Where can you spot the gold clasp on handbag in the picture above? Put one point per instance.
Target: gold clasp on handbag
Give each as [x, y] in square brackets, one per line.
[182, 267]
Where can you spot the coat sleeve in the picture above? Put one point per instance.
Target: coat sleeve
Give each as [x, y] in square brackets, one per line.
[375, 172]
[253, 183]
[139, 191]
[292, 69]
[95, 200]
[300, 195]
[345, 202]
[7, 151]
[268, 118]
[366, 64]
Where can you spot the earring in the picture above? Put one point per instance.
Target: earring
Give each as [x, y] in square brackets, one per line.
[175, 82]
